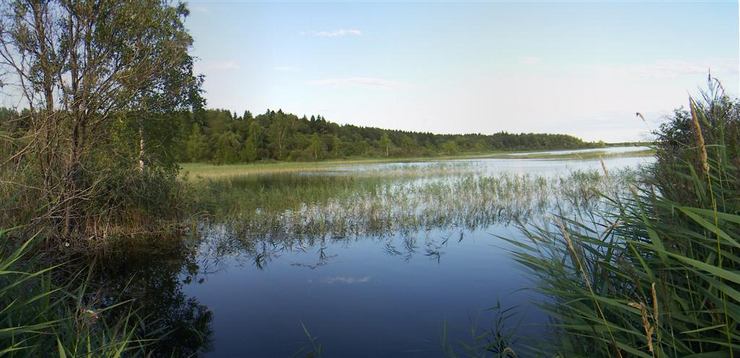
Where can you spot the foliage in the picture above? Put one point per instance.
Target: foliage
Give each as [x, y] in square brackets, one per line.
[718, 118]
[40, 317]
[104, 85]
[655, 273]
[275, 135]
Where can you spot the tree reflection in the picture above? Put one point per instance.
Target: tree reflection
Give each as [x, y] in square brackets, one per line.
[152, 277]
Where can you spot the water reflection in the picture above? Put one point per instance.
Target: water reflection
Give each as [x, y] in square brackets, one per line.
[382, 211]
[152, 277]
[372, 261]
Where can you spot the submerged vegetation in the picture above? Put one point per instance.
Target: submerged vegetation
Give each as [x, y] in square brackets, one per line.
[656, 273]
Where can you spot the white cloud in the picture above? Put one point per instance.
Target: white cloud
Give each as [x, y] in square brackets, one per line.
[346, 280]
[358, 82]
[530, 60]
[334, 33]
[225, 65]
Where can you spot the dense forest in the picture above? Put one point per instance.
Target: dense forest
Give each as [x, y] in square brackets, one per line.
[220, 136]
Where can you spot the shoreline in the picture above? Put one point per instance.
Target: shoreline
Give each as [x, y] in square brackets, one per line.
[199, 171]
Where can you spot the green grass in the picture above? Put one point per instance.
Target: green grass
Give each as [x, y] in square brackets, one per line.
[292, 207]
[40, 318]
[199, 171]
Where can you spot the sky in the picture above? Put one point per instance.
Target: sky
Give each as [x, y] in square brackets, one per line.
[580, 68]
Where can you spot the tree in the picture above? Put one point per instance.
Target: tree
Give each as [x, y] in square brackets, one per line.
[278, 133]
[450, 147]
[82, 68]
[249, 152]
[336, 146]
[316, 147]
[227, 148]
[196, 145]
[385, 144]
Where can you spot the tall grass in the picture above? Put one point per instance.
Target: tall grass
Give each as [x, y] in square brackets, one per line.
[343, 206]
[39, 318]
[655, 273]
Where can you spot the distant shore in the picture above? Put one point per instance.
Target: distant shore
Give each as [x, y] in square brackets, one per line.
[198, 171]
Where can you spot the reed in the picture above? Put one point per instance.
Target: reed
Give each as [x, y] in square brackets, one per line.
[655, 272]
[289, 208]
[40, 318]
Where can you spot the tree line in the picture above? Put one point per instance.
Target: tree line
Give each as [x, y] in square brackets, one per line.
[220, 136]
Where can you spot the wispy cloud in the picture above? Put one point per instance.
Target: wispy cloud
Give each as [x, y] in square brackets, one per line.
[333, 33]
[225, 65]
[530, 60]
[347, 280]
[372, 82]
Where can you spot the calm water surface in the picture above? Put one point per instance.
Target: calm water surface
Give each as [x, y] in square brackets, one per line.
[385, 290]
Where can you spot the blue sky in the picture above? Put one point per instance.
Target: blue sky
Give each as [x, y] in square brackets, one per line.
[578, 67]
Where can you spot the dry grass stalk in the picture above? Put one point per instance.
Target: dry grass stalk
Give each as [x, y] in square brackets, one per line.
[649, 329]
[699, 138]
[587, 281]
[603, 167]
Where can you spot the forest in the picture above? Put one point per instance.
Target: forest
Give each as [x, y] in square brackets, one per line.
[221, 137]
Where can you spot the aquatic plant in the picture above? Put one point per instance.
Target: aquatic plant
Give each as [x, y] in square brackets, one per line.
[39, 317]
[656, 272]
[498, 341]
[260, 217]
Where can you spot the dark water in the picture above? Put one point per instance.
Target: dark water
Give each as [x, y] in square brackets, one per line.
[363, 297]
[393, 286]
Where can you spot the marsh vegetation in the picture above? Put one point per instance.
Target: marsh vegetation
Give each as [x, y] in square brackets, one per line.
[655, 273]
[319, 237]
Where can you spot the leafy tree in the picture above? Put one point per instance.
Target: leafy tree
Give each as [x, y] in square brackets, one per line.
[196, 145]
[227, 148]
[336, 146]
[385, 144]
[249, 152]
[450, 147]
[284, 136]
[90, 72]
[316, 147]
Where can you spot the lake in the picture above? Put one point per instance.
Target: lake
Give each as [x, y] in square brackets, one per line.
[365, 260]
